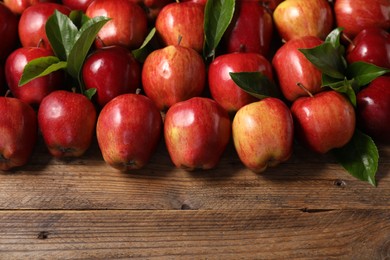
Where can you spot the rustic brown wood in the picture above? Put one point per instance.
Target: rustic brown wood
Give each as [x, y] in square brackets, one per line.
[308, 207]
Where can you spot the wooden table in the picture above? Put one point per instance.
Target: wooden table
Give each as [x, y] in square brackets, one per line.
[308, 207]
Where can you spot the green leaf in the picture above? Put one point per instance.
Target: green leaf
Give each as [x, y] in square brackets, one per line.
[359, 157]
[217, 17]
[85, 38]
[141, 53]
[41, 67]
[256, 84]
[343, 86]
[327, 59]
[61, 33]
[363, 73]
[89, 93]
[78, 18]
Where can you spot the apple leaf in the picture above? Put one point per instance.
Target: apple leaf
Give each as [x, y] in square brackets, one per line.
[41, 67]
[343, 86]
[256, 84]
[359, 157]
[334, 38]
[141, 53]
[363, 73]
[89, 93]
[78, 18]
[327, 59]
[61, 33]
[217, 17]
[84, 40]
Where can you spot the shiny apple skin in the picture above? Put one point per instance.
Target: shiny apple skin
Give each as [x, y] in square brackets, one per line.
[173, 74]
[250, 30]
[77, 4]
[223, 89]
[8, 31]
[67, 122]
[356, 15]
[263, 134]
[297, 18]
[373, 109]
[292, 67]
[34, 91]
[183, 20]
[323, 122]
[371, 45]
[128, 131]
[18, 130]
[31, 29]
[18, 6]
[112, 71]
[128, 26]
[196, 133]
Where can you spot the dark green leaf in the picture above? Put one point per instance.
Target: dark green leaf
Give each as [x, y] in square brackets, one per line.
[327, 59]
[78, 18]
[217, 17]
[359, 157]
[41, 67]
[61, 33]
[343, 86]
[256, 84]
[85, 38]
[363, 73]
[334, 38]
[141, 53]
[89, 93]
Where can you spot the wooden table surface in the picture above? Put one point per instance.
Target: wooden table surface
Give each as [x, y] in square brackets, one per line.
[306, 208]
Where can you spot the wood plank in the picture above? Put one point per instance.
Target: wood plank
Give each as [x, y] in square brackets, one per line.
[206, 234]
[306, 181]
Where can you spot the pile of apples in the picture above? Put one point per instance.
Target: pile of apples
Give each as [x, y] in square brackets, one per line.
[178, 91]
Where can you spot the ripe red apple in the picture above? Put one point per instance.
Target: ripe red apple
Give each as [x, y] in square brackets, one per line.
[152, 7]
[128, 26]
[270, 4]
[77, 4]
[8, 31]
[356, 15]
[297, 18]
[183, 20]
[203, 2]
[18, 6]
[34, 91]
[250, 29]
[373, 109]
[18, 128]
[196, 133]
[128, 130]
[172, 74]
[67, 122]
[263, 134]
[370, 45]
[223, 89]
[324, 121]
[292, 67]
[112, 71]
[32, 32]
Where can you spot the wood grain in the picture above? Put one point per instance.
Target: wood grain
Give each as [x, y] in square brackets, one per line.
[306, 208]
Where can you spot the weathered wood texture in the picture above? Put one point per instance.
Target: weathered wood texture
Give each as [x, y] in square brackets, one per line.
[308, 207]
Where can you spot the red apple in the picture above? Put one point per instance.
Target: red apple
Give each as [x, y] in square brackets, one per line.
[250, 29]
[32, 32]
[203, 2]
[297, 18]
[223, 89]
[8, 31]
[128, 130]
[128, 26]
[370, 45]
[3, 85]
[182, 20]
[34, 91]
[18, 128]
[356, 15]
[67, 122]
[292, 67]
[152, 8]
[111, 71]
[18, 6]
[196, 133]
[373, 109]
[270, 4]
[77, 4]
[263, 134]
[172, 74]
[324, 121]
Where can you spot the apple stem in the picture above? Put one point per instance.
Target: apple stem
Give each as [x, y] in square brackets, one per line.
[299, 84]
[345, 37]
[179, 39]
[7, 93]
[40, 43]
